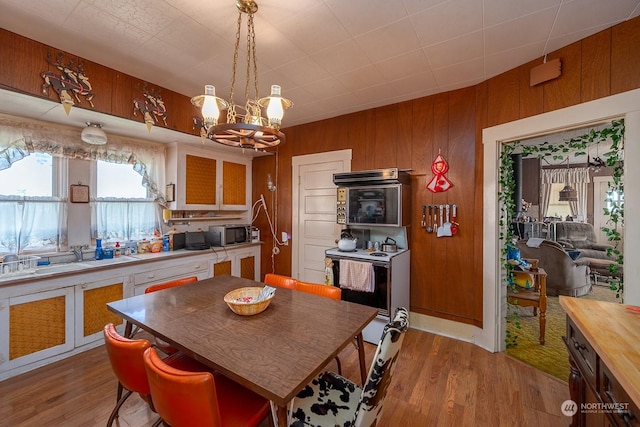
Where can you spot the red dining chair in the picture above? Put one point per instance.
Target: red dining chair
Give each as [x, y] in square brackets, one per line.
[186, 399]
[163, 345]
[280, 281]
[125, 356]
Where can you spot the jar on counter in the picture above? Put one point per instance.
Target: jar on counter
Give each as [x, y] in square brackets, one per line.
[144, 246]
[156, 246]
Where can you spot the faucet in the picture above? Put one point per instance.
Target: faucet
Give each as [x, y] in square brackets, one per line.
[77, 251]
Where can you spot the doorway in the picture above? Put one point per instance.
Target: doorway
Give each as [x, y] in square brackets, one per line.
[625, 105]
[314, 211]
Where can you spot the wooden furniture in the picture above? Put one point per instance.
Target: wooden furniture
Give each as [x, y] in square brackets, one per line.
[316, 404]
[186, 399]
[535, 297]
[604, 382]
[275, 353]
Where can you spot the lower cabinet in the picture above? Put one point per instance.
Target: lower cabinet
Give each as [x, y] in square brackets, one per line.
[91, 300]
[175, 270]
[242, 262]
[35, 326]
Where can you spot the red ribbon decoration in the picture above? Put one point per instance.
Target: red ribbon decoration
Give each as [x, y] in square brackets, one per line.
[439, 183]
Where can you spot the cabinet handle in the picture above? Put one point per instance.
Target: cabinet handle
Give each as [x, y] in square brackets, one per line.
[83, 286]
[197, 267]
[151, 276]
[579, 346]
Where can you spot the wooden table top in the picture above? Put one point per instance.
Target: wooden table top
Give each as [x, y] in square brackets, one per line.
[614, 332]
[275, 353]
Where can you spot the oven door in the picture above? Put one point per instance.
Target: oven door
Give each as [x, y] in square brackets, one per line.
[379, 298]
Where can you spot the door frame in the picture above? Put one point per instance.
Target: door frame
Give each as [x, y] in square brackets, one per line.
[625, 105]
[296, 163]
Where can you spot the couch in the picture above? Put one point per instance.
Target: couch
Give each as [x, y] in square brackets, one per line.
[564, 275]
[581, 236]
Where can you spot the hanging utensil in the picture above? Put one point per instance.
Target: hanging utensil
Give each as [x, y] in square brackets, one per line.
[447, 224]
[423, 220]
[441, 230]
[454, 221]
[430, 221]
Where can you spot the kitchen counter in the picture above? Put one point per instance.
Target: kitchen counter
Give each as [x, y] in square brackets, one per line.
[73, 268]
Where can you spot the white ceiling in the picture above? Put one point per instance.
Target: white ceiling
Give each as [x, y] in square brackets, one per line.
[331, 57]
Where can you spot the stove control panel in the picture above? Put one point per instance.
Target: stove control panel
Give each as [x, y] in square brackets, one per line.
[341, 206]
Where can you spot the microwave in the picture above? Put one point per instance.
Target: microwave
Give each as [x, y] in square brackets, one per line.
[373, 198]
[226, 235]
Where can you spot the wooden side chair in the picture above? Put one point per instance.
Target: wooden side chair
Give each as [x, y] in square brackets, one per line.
[186, 399]
[163, 345]
[530, 290]
[280, 281]
[331, 399]
[125, 356]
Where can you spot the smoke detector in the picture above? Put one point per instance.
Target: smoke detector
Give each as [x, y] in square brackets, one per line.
[93, 134]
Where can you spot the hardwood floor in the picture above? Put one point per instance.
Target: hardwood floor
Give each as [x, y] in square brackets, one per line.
[438, 381]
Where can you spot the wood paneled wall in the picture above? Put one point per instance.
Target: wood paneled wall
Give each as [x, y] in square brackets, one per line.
[446, 273]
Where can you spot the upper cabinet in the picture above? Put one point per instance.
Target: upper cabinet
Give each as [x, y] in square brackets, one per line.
[208, 180]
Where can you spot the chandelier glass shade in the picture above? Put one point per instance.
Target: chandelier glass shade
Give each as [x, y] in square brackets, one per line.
[245, 126]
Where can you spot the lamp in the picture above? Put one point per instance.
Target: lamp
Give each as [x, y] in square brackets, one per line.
[93, 134]
[568, 193]
[252, 130]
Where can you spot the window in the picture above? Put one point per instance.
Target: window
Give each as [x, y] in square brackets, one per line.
[557, 208]
[33, 216]
[123, 210]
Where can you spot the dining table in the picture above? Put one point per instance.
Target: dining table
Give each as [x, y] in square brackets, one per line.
[274, 353]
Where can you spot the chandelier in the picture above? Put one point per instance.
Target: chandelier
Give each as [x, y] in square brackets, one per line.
[568, 193]
[244, 127]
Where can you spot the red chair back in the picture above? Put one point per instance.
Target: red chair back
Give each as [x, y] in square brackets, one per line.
[280, 281]
[171, 284]
[126, 360]
[318, 289]
[182, 398]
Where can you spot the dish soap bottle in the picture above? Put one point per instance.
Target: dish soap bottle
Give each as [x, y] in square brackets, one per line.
[116, 251]
[99, 254]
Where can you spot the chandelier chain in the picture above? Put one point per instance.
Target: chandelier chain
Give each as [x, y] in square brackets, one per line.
[235, 57]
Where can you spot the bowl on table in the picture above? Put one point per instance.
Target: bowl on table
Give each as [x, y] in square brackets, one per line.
[242, 301]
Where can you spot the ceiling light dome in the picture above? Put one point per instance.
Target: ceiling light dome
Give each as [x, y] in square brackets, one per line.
[93, 134]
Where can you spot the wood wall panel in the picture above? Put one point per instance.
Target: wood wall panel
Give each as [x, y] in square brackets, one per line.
[21, 63]
[101, 79]
[386, 134]
[403, 137]
[625, 60]
[531, 97]
[122, 96]
[565, 90]
[503, 98]
[596, 66]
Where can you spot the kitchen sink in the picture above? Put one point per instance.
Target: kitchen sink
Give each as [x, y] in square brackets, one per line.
[102, 262]
[61, 268]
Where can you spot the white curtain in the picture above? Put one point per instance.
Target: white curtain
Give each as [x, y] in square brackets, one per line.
[121, 220]
[578, 178]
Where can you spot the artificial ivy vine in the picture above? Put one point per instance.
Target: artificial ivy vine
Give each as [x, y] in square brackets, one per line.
[576, 146]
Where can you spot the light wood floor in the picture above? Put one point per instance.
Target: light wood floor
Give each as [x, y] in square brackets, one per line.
[438, 381]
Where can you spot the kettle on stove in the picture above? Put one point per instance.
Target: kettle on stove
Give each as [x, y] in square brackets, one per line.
[347, 242]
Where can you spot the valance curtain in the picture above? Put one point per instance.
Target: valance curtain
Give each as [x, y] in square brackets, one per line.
[578, 178]
[19, 137]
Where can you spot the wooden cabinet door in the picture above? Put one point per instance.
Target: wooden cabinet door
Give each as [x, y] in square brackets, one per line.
[92, 313]
[35, 326]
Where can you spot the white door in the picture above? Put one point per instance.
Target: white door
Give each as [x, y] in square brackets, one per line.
[600, 188]
[314, 211]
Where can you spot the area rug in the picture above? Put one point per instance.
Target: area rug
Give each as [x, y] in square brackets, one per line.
[552, 357]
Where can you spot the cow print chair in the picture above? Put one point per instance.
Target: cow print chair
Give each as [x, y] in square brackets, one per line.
[332, 400]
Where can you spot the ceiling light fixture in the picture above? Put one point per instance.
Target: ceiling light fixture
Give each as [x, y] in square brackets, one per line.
[93, 134]
[568, 193]
[248, 129]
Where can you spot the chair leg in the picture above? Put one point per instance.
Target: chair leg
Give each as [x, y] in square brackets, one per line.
[119, 394]
[114, 413]
[158, 422]
[339, 365]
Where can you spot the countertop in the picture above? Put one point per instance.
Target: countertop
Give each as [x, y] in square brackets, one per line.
[613, 330]
[65, 269]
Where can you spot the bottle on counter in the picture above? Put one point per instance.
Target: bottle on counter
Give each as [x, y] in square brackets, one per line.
[99, 254]
[117, 251]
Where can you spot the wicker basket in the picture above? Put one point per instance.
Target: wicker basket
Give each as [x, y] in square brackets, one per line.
[246, 308]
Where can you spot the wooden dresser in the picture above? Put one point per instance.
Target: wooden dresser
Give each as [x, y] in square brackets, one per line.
[603, 340]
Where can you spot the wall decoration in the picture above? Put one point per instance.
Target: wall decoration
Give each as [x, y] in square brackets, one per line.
[151, 106]
[79, 193]
[72, 80]
[439, 183]
[170, 191]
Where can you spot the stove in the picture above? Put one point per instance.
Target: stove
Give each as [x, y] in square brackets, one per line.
[363, 254]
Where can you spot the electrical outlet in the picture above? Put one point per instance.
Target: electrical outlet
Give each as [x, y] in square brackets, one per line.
[285, 238]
